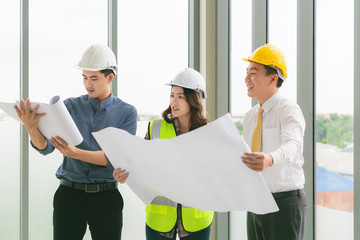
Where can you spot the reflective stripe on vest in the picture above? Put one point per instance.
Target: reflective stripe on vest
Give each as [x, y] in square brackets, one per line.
[161, 129]
[161, 214]
[155, 129]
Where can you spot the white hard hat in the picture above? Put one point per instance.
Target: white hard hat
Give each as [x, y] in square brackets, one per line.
[191, 79]
[97, 57]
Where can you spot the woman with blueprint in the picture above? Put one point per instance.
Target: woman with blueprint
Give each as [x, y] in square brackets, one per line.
[165, 218]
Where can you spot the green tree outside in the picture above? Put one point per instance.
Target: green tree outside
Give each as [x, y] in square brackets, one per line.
[239, 126]
[337, 130]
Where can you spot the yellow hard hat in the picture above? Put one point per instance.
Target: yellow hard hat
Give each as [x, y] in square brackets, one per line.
[269, 55]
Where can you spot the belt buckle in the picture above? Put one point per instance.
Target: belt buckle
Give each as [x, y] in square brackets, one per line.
[91, 189]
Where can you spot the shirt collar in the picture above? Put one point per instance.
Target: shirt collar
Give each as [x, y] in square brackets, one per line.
[270, 102]
[94, 102]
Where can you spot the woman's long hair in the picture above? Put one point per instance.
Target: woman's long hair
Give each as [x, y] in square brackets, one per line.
[197, 118]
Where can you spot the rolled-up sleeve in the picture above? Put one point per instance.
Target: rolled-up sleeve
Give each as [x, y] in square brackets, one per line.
[49, 148]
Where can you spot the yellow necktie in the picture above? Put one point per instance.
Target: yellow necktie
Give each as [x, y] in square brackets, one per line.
[256, 138]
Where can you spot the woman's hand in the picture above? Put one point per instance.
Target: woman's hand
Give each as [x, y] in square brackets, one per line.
[120, 175]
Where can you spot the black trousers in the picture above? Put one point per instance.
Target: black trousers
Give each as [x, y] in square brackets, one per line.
[286, 224]
[75, 209]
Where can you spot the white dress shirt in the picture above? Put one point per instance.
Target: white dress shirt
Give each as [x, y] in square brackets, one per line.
[282, 137]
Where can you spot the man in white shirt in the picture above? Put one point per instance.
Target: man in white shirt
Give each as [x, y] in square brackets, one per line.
[276, 139]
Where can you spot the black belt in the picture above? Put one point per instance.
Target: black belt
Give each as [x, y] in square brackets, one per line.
[297, 192]
[91, 187]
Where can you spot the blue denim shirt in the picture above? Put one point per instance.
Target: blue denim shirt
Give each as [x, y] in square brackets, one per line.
[88, 118]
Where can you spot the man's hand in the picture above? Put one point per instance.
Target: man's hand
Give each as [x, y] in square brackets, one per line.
[257, 161]
[120, 175]
[62, 146]
[30, 121]
[95, 157]
[28, 118]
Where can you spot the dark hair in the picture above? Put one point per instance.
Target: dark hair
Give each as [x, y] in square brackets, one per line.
[197, 118]
[107, 71]
[271, 71]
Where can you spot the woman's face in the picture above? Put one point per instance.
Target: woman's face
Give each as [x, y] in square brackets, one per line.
[178, 103]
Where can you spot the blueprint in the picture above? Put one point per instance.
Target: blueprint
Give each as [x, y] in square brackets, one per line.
[200, 169]
[56, 122]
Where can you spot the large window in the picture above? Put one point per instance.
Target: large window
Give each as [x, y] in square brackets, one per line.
[240, 102]
[152, 49]
[334, 120]
[240, 45]
[9, 128]
[282, 33]
[58, 37]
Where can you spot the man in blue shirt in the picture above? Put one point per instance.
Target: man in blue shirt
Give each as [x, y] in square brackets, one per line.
[88, 193]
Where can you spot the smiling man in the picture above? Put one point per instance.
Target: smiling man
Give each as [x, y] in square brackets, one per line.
[274, 128]
[88, 193]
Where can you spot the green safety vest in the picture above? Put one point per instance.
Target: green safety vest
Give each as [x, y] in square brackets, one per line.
[161, 214]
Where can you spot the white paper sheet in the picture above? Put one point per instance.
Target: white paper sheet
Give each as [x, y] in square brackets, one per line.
[56, 122]
[200, 169]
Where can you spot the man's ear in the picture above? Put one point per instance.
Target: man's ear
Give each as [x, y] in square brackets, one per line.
[274, 79]
[110, 77]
